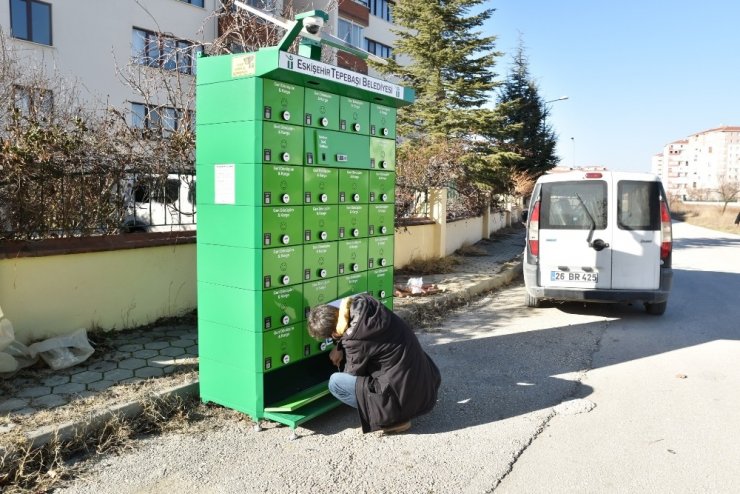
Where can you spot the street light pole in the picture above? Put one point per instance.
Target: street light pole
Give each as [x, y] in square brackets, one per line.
[562, 98]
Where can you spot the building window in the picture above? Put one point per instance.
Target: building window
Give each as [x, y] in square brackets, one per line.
[165, 52]
[351, 33]
[379, 49]
[361, 2]
[381, 8]
[197, 3]
[33, 101]
[164, 119]
[31, 20]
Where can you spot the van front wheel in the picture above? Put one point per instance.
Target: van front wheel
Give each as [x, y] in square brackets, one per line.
[531, 301]
[656, 309]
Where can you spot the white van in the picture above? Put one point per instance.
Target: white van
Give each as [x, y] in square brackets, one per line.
[599, 236]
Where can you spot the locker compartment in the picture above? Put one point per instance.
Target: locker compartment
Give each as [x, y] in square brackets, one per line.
[282, 143]
[312, 346]
[353, 221]
[382, 121]
[381, 219]
[320, 261]
[353, 186]
[336, 149]
[249, 269]
[351, 284]
[321, 110]
[382, 154]
[282, 346]
[354, 115]
[380, 251]
[318, 293]
[352, 256]
[380, 282]
[251, 310]
[382, 187]
[282, 184]
[282, 102]
[320, 223]
[320, 185]
[249, 226]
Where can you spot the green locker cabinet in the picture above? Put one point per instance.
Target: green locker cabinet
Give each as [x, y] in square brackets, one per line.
[381, 219]
[354, 115]
[353, 186]
[295, 172]
[380, 252]
[353, 221]
[382, 187]
[283, 102]
[382, 121]
[320, 261]
[320, 185]
[382, 154]
[322, 110]
[352, 256]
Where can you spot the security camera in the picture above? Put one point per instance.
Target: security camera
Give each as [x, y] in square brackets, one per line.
[313, 24]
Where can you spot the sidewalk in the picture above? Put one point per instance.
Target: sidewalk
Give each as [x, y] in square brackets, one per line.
[131, 366]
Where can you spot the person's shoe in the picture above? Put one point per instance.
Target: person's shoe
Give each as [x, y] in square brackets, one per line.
[398, 428]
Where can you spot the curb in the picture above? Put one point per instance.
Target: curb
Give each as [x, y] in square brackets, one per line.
[70, 430]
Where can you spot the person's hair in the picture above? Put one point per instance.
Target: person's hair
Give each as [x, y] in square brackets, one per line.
[322, 321]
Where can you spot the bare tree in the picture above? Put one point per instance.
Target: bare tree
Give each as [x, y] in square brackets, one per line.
[728, 191]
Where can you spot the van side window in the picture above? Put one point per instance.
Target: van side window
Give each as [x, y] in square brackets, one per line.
[638, 207]
[574, 205]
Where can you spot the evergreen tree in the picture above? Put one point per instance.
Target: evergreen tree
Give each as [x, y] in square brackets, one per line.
[450, 66]
[525, 138]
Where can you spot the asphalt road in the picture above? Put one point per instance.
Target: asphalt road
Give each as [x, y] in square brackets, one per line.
[566, 398]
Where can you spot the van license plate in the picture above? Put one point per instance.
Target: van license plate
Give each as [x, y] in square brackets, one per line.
[576, 276]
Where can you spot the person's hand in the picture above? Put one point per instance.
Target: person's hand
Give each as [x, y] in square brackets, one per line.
[336, 356]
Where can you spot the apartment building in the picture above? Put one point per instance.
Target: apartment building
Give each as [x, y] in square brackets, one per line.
[95, 43]
[696, 167]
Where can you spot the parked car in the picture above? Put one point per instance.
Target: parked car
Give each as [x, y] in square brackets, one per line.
[599, 237]
[158, 204]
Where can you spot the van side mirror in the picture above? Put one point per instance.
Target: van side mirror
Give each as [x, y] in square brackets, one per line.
[524, 215]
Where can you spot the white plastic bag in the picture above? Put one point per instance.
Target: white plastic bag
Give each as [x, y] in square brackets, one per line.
[13, 355]
[65, 351]
[415, 285]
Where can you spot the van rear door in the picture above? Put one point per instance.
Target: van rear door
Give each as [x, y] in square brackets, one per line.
[637, 237]
[573, 215]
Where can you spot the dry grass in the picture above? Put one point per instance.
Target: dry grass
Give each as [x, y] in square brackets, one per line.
[707, 216]
[439, 265]
[24, 468]
[471, 251]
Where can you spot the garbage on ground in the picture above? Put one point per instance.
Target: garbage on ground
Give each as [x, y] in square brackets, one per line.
[58, 352]
[13, 355]
[65, 351]
[415, 287]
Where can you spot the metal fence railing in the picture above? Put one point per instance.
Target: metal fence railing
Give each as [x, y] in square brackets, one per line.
[412, 204]
[84, 204]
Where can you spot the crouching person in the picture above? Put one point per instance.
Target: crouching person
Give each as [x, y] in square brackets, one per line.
[384, 373]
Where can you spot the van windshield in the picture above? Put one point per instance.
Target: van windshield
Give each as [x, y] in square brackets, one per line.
[638, 207]
[577, 205]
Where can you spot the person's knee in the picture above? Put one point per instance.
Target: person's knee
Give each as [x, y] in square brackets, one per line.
[334, 388]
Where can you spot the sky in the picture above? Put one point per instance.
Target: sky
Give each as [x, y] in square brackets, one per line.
[639, 74]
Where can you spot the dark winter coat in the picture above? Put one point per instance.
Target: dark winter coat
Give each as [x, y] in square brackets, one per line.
[397, 380]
